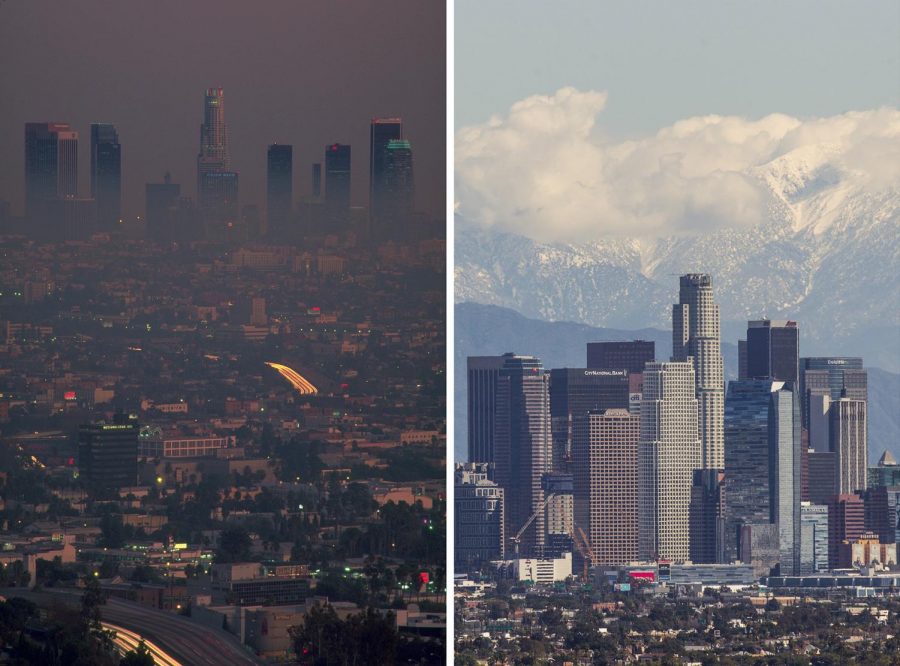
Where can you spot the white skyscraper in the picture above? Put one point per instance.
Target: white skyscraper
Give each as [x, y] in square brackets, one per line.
[668, 453]
[695, 336]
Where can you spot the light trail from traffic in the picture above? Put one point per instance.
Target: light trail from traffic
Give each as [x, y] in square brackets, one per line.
[126, 640]
[296, 380]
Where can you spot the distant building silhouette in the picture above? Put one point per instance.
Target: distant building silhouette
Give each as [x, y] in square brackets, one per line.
[381, 132]
[279, 190]
[106, 175]
[337, 185]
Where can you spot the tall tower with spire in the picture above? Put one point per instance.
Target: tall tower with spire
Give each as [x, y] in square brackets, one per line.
[696, 335]
[217, 185]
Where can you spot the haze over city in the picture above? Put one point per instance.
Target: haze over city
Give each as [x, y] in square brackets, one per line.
[307, 74]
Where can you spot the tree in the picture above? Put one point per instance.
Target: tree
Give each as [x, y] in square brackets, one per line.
[234, 545]
[140, 656]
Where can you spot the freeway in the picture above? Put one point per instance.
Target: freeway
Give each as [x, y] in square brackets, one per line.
[126, 640]
[297, 381]
[182, 639]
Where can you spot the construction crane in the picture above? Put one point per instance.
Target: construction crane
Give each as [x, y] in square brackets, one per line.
[518, 537]
[579, 538]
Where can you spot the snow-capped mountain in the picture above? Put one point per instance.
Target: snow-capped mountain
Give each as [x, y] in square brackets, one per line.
[827, 255]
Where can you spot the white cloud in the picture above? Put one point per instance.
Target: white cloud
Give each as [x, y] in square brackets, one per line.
[544, 171]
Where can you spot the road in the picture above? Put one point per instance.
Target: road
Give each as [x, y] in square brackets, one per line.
[185, 640]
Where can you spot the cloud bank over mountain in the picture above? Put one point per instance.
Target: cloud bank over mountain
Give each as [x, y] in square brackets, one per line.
[546, 171]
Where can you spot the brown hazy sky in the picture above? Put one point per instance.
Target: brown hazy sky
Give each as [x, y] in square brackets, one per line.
[294, 71]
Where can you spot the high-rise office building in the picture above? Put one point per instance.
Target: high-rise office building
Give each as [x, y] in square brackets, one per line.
[381, 132]
[51, 166]
[882, 504]
[399, 188]
[629, 355]
[773, 350]
[762, 467]
[317, 180]
[214, 156]
[482, 374]
[107, 453]
[337, 185]
[573, 393]
[822, 482]
[813, 538]
[695, 335]
[522, 450]
[669, 452]
[559, 515]
[604, 451]
[220, 196]
[847, 432]
[846, 522]
[834, 376]
[160, 209]
[742, 359]
[478, 516]
[885, 473]
[707, 517]
[279, 190]
[106, 175]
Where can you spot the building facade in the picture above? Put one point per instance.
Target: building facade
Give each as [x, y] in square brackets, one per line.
[106, 175]
[605, 475]
[668, 453]
[630, 355]
[696, 336]
[279, 189]
[478, 517]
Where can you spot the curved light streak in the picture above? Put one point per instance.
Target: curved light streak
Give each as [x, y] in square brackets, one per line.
[126, 640]
[297, 381]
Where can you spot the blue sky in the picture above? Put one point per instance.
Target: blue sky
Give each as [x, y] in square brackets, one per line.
[663, 61]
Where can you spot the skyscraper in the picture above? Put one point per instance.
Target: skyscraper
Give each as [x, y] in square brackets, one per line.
[337, 185]
[160, 209]
[317, 180]
[605, 451]
[478, 516]
[835, 376]
[522, 451]
[847, 432]
[707, 517]
[279, 189]
[106, 175]
[695, 335]
[573, 393]
[762, 467]
[482, 375]
[669, 451]
[813, 538]
[773, 350]
[51, 164]
[398, 188]
[629, 355]
[381, 132]
[214, 156]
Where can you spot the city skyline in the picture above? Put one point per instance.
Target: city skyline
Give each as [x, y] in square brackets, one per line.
[154, 96]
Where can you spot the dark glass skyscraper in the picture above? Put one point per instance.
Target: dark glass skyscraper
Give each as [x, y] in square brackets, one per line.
[773, 350]
[381, 132]
[51, 164]
[482, 375]
[398, 188]
[629, 355]
[762, 467]
[279, 189]
[106, 175]
[160, 210]
[522, 452]
[337, 185]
